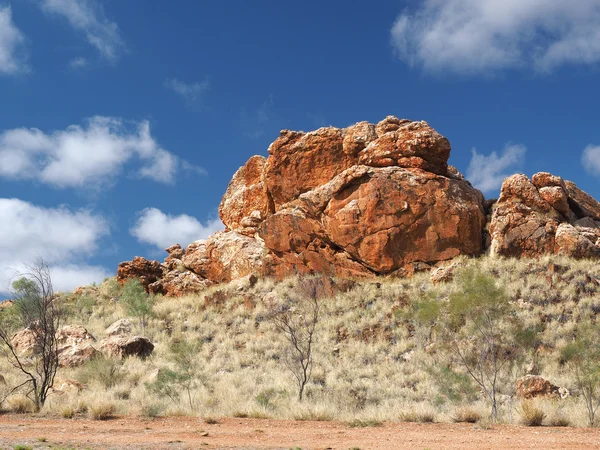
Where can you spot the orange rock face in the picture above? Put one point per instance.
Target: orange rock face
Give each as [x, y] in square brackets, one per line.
[246, 202]
[352, 202]
[543, 216]
[368, 200]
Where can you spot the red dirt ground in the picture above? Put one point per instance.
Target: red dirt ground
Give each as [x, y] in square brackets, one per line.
[232, 433]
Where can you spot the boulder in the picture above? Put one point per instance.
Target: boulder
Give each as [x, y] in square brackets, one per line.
[175, 255]
[75, 346]
[246, 202]
[443, 274]
[544, 215]
[76, 355]
[26, 342]
[299, 162]
[73, 335]
[531, 386]
[119, 328]
[122, 346]
[147, 271]
[176, 284]
[369, 221]
[224, 256]
[411, 145]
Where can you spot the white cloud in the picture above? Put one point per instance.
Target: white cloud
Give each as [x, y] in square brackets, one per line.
[89, 156]
[190, 91]
[163, 230]
[476, 36]
[87, 17]
[487, 173]
[62, 237]
[12, 58]
[78, 63]
[590, 159]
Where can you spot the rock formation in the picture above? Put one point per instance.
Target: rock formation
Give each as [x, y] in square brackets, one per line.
[544, 215]
[368, 200]
[531, 386]
[355, 202]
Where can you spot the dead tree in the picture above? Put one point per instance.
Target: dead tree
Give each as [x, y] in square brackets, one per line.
[35, 302]
[296, 318]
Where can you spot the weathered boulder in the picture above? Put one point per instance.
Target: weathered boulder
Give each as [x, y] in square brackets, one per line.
[443, 274]
[531, 386]
[544, 215]
[76, 354]
[75, 346]
[411, 145]
[368, 221]
[122, 346]
[224, 256]
[26, 342]
[176, 283]
[72, 335]
[299, 162]
[147, 271]
[119, 328]
[175, 255]
[246, 202]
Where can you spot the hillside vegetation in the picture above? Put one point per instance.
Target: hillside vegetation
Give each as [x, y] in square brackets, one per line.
[219, 353]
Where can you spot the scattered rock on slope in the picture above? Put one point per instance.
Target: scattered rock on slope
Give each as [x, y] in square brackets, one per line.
[122, 346]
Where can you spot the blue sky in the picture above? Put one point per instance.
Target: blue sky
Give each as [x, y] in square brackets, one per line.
[122, 122]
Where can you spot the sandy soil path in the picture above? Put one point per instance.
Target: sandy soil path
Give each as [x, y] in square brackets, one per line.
[232, 433]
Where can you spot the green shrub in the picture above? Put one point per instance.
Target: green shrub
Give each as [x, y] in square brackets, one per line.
[108, 372]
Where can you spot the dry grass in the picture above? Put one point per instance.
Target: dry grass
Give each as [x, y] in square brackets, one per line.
[531, 415]
[101, 411]
[369, 363]
[466, 414]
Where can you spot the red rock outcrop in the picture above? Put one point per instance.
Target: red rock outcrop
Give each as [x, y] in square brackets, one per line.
[145, 270]
[352, 202]
[544, 215]
[368, 200]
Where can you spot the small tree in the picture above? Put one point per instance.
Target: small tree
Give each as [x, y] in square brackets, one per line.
[185, 372]
[137, 302]
[36, 305]
[583, 358]
[296, 318]
[480, 331]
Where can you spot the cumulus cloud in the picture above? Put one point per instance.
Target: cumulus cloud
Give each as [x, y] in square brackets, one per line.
[590, 159]
[87, 17]
[190, 91]
[487, 173]
[12, 57]
[62, 237]
[90, 156]
[476, 36]
[163, 230]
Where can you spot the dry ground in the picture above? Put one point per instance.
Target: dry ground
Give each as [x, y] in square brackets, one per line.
[232, 433]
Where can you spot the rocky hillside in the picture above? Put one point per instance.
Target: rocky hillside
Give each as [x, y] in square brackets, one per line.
[370, 200]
